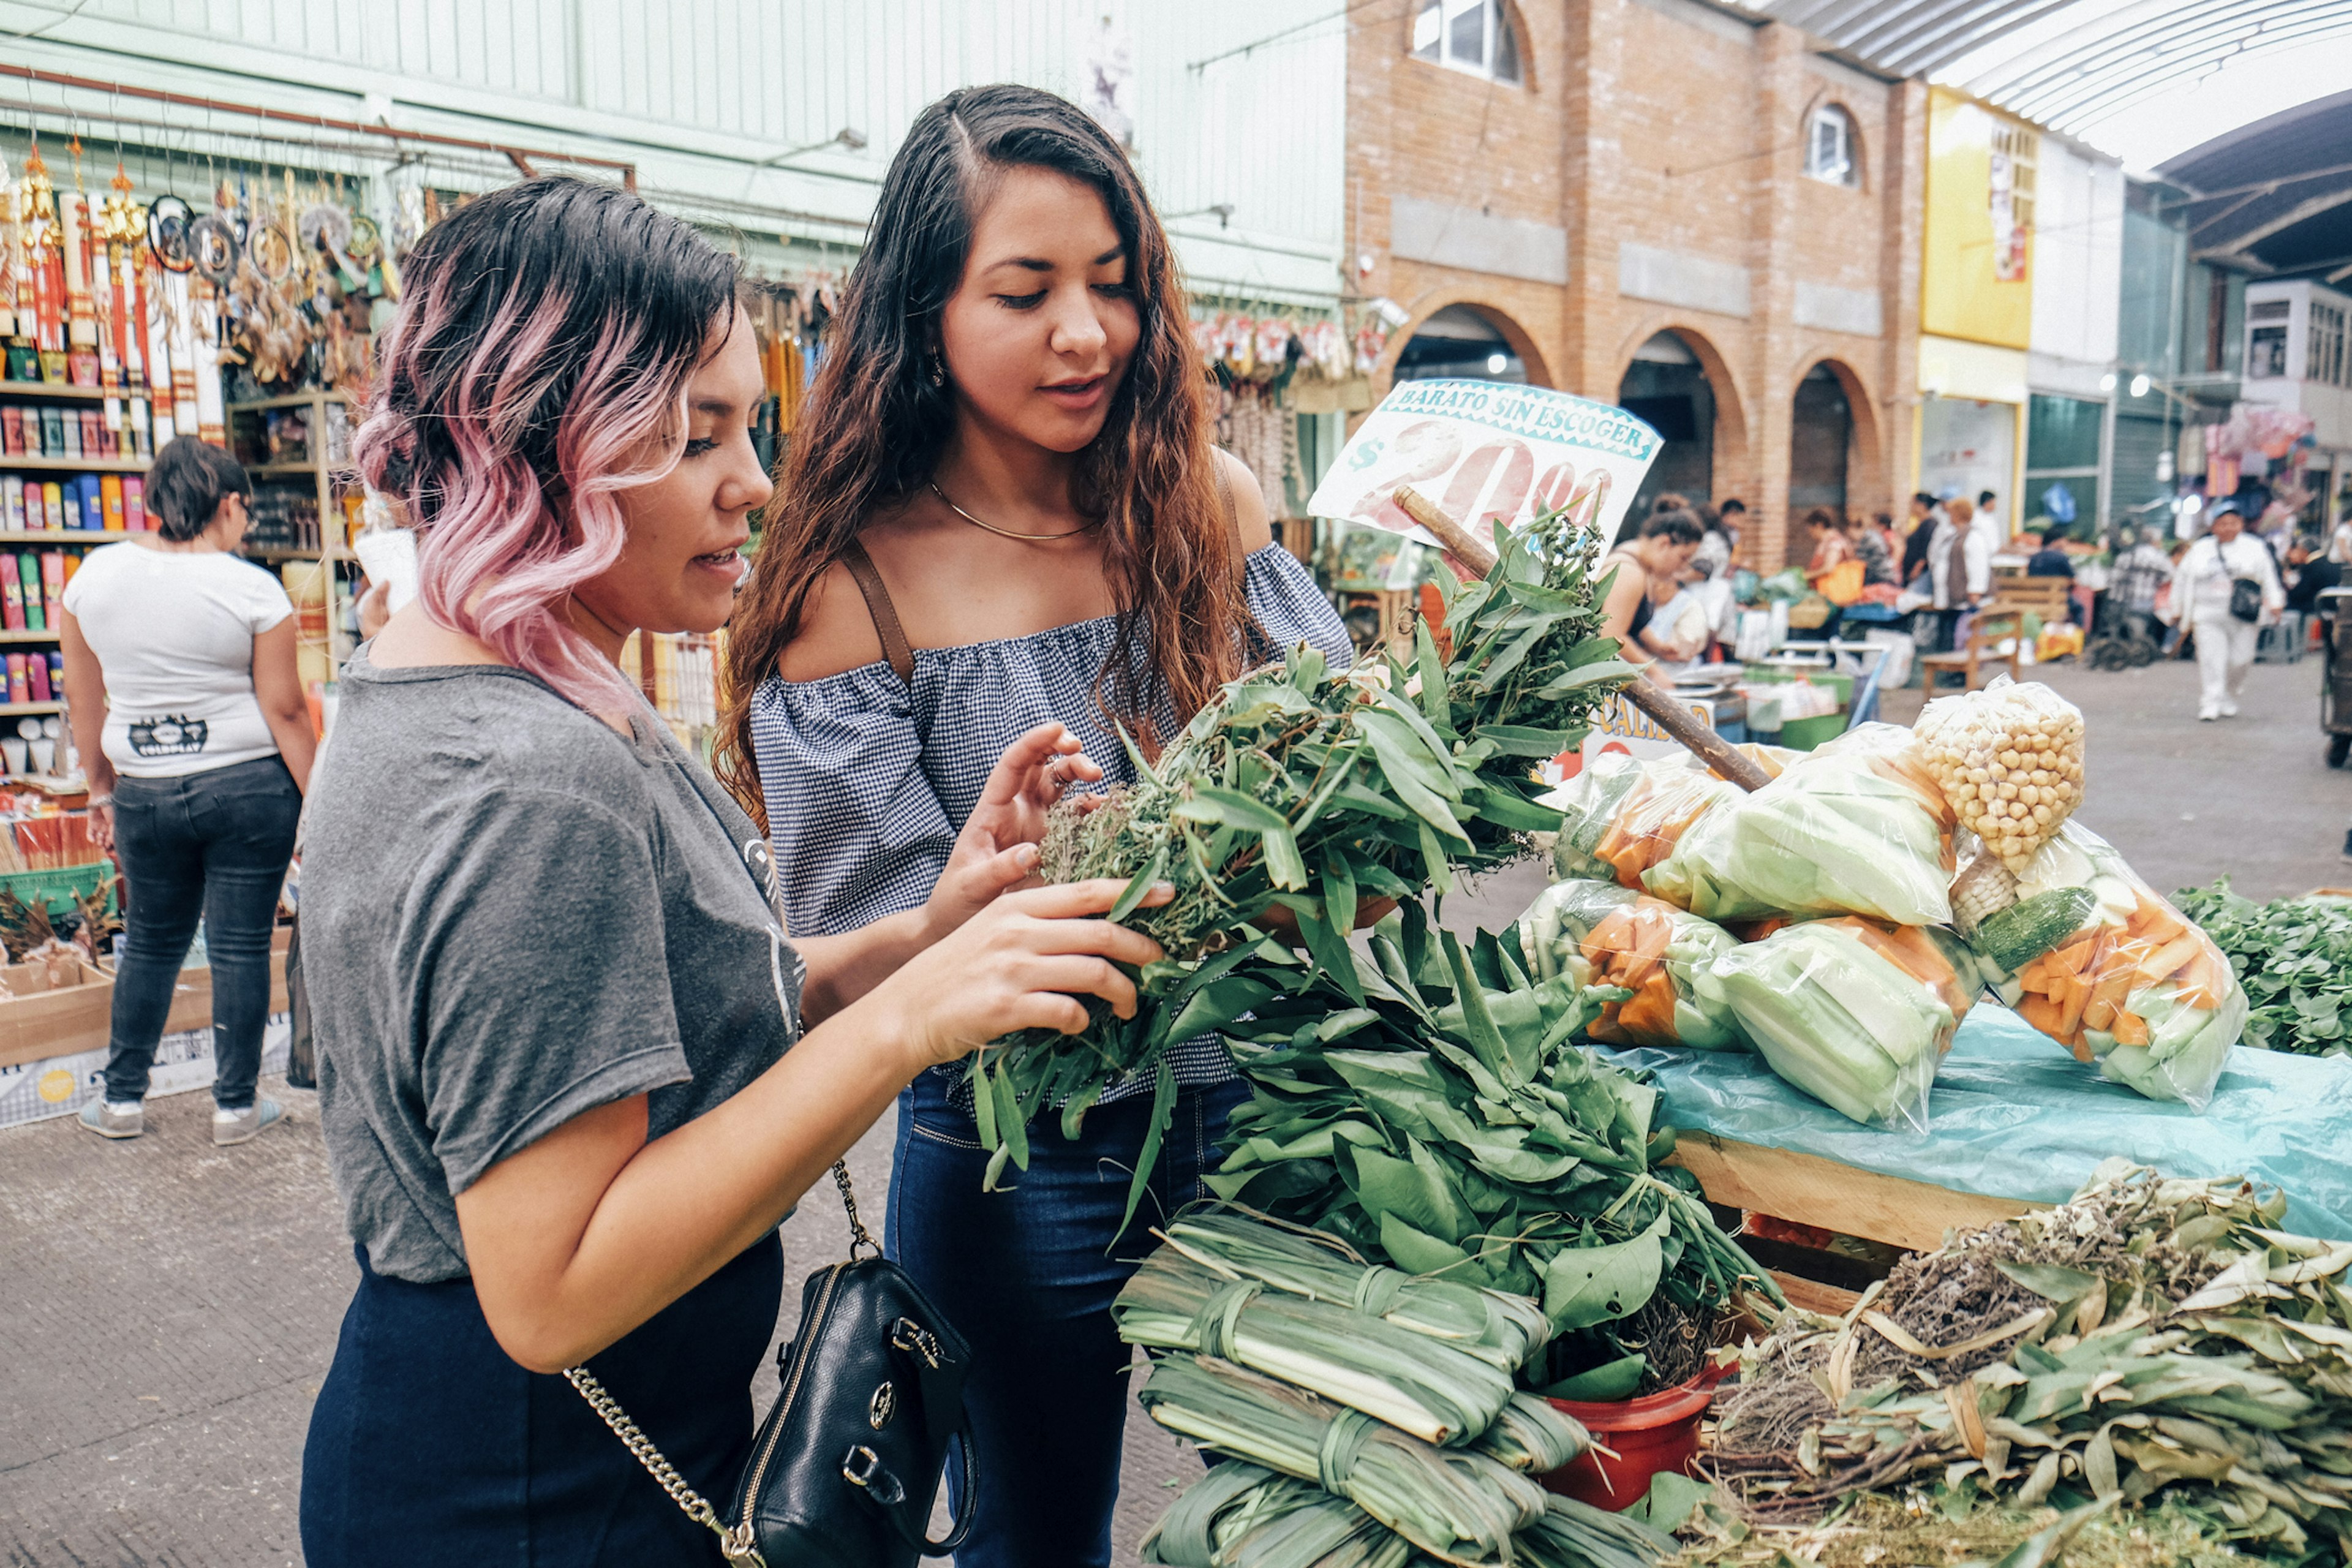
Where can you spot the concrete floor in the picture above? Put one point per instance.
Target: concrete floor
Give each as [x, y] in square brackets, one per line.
[167, 1308]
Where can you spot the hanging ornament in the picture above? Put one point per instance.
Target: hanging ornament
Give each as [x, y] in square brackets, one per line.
[168, 222]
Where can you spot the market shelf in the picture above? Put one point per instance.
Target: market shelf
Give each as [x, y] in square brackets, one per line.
[58, 389]
[76, 465]
[279, 551]
[62, 535]
[11, 710]
[8, 636]
[289, 470]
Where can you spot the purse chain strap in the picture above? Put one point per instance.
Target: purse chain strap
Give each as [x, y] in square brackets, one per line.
[735, 1546]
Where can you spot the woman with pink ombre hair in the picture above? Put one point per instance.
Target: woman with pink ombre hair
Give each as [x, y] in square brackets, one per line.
[572, 1074]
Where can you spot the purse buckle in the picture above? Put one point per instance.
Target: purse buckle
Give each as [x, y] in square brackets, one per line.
[863, 1468]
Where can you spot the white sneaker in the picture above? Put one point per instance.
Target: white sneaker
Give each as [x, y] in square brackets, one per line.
[2205, 715]
[112, 1120]
[2229, 709]
[243, 1126]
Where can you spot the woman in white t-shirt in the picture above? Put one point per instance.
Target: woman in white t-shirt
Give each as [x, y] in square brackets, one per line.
[192, 723]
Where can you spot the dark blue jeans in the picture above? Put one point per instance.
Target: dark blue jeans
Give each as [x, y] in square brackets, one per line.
[213, 845]
[1027, 1276]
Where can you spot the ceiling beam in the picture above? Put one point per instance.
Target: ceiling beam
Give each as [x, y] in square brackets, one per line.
[2301, 211]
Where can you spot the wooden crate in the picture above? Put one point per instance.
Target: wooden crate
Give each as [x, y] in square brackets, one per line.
[1811, 1190]
[39, 1020]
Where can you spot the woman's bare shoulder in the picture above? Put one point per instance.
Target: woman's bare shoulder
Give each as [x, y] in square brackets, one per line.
[1254, 528]
[836, 631]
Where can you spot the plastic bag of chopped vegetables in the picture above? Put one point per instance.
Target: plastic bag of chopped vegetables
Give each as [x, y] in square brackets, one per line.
[1857, 827]
[1601, 934]
[1623, 815]
[1856, 1013]
[2094, 958]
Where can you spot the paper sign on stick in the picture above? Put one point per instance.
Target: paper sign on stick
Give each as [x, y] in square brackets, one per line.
[1489, 450]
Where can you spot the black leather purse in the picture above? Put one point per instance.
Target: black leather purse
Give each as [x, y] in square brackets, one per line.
[845, 1466]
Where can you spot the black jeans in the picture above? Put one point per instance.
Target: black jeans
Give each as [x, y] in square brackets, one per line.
[211, 844]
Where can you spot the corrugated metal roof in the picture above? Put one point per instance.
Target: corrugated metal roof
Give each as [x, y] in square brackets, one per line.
[2063, 64]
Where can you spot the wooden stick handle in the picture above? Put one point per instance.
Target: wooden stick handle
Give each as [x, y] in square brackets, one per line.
[1684, 725]
[1642, 693]
[1460, 542]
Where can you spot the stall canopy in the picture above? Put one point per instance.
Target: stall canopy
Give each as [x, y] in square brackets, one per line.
[2065, 64]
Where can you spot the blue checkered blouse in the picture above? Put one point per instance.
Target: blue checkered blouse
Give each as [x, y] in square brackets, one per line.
[868, 783]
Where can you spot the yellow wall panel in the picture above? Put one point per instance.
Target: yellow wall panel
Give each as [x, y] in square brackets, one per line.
[1976, 280]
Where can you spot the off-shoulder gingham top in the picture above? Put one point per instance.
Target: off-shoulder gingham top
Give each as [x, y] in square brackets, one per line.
[867, 782]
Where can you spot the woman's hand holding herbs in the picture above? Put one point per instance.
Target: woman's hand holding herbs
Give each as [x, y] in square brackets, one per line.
[1023, 962]
[997, 850]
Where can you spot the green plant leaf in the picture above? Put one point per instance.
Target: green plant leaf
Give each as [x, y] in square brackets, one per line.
[1339, 891]
[1520, 740]
[1010, 1122]
[1284, 865]
[1163, 1114]
[1139, 888]
[1229, 808]
[1610, 1379]
[1417, 1252]
[1432, 670]
[1589, 1285]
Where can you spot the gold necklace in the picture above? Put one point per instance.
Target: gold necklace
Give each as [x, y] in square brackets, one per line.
[1006, 532]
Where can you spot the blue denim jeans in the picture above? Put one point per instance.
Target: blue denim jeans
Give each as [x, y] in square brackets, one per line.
[214, 845]
[1028, 1276]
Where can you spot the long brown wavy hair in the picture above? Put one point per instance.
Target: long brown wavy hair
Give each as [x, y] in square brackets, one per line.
[876, 424]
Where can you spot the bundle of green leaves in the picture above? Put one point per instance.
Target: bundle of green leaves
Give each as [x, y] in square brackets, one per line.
[1427, 1106]
[1314, 790]
[1245, 1516]
[2293, 956]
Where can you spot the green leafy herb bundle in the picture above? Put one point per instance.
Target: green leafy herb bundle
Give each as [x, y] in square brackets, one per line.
[2293, 956]
[1460, 1504]
[2150, 1336]
[1243, 1516]
[1313, 790]
[1427, 1106]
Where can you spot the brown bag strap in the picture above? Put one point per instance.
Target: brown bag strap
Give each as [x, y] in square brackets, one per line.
[877, 594]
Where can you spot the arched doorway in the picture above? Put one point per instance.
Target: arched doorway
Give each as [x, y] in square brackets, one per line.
[1821, 434]
[1666, 388]
[1461, 343]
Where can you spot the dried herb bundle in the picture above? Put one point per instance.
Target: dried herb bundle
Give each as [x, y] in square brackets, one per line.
[1313, 790]
[2164, 1338]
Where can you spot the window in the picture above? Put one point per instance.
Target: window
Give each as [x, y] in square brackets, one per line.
[2325, 358]
[1474, 36]
[1830, 147]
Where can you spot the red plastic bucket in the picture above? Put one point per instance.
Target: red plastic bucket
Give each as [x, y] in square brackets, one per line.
[1656, 1433]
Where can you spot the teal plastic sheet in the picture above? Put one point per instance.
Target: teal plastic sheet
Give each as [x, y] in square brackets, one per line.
[2014, 1116]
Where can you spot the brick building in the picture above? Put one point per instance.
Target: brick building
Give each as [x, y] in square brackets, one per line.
[1668, 203]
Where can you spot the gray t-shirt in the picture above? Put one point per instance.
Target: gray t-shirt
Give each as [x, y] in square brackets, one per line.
[511, 914]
